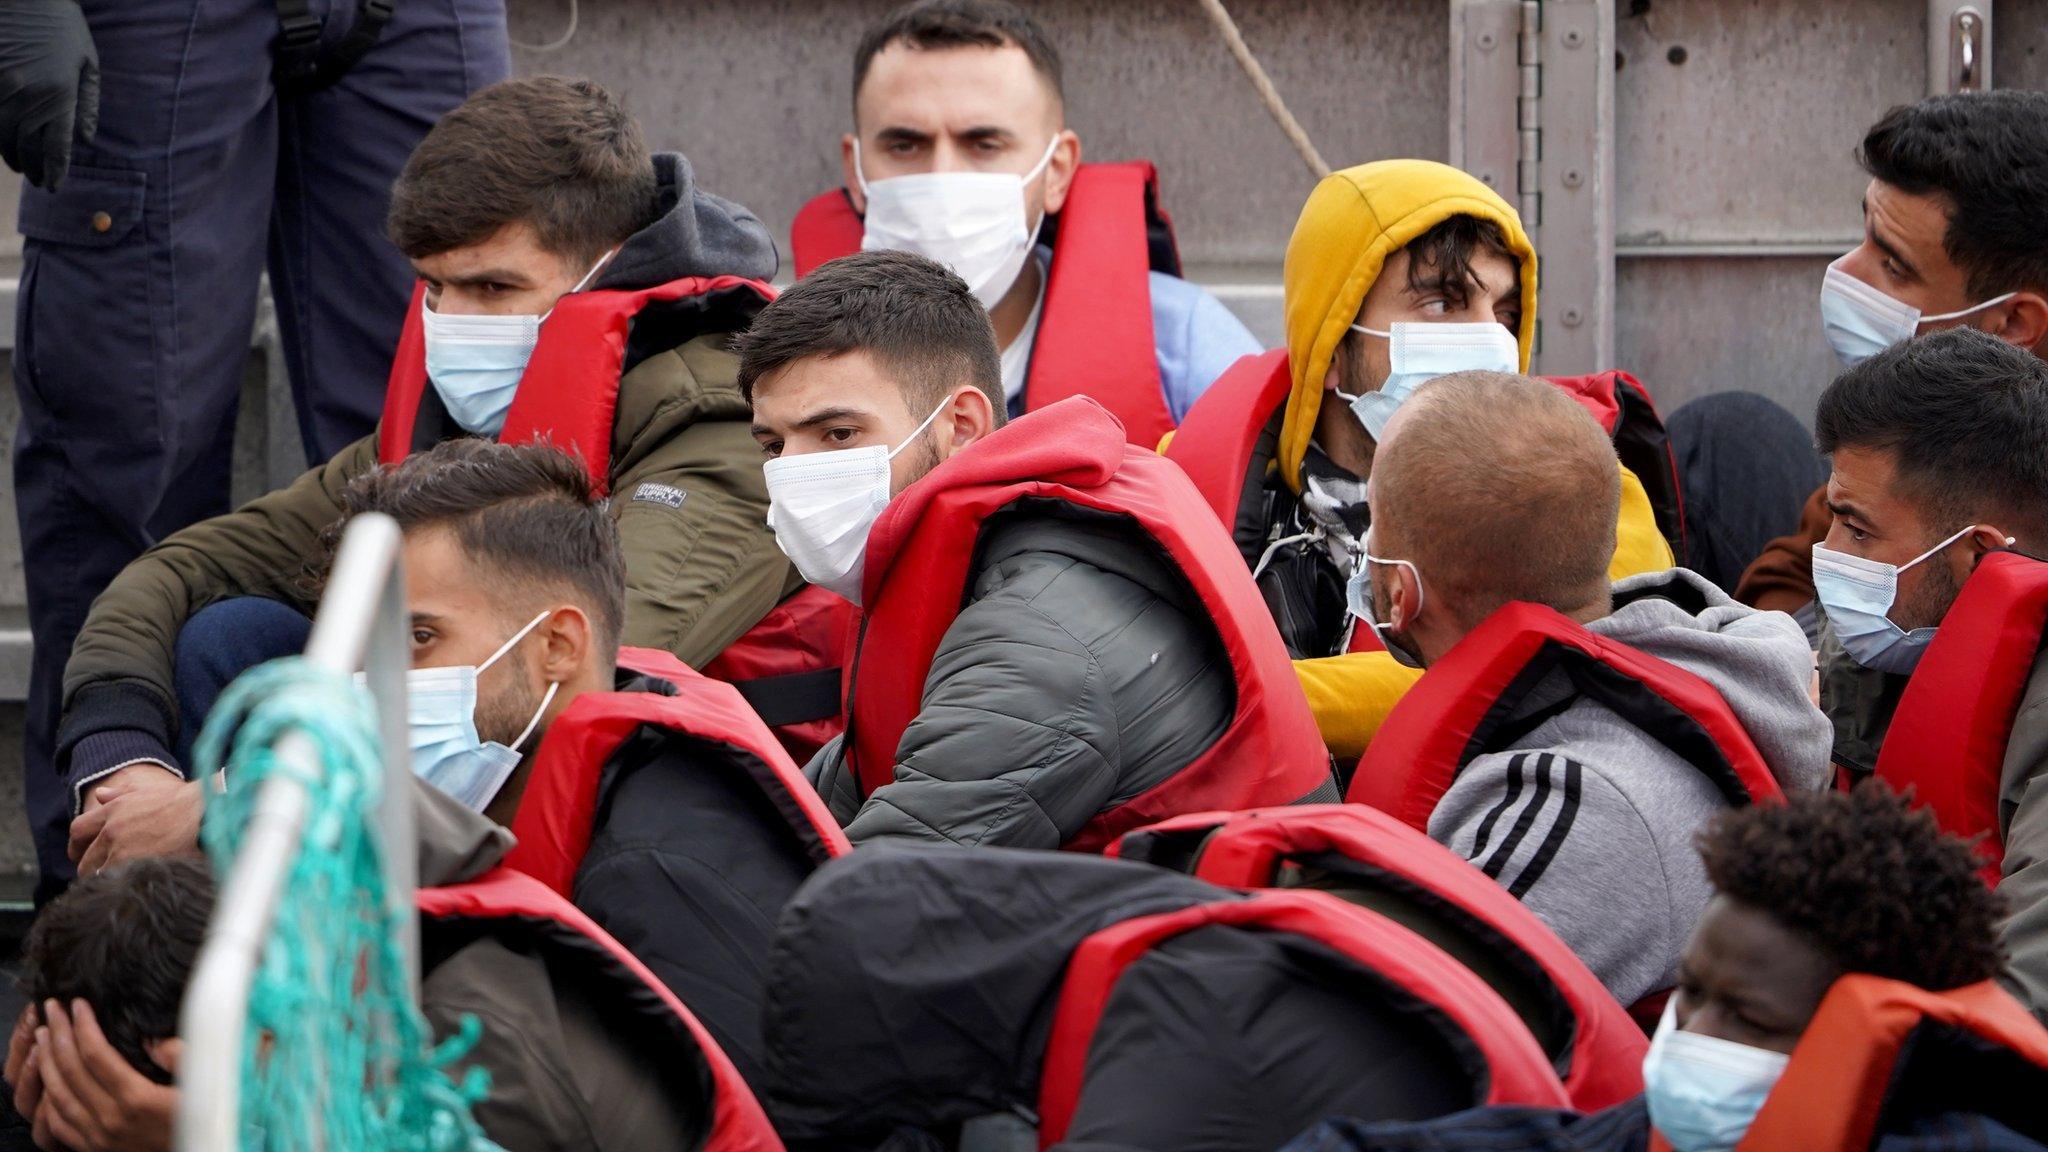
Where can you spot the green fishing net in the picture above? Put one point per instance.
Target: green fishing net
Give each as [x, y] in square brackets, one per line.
[336, 1055]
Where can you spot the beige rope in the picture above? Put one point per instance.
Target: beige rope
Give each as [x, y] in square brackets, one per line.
[1268, 95]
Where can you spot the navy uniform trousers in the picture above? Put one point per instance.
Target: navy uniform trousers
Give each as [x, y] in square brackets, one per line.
[140, 277]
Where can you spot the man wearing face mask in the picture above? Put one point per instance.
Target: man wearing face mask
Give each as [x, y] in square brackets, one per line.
[1398, 271]
[1491, 489]
[1839, 924]
[1057, 642]
[1938, 448]
[574, 288]
[1952, 238]
[960, 152]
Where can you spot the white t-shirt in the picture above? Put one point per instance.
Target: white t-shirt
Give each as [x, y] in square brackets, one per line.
[1017, 355]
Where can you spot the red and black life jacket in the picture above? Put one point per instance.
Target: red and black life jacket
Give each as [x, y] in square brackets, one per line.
[1949, 733]
[1370, 858]
[1515, 1069]
[517, 903]
[1095, 333]
[919, 560]
[558, 810]
[1453, 712]
[1876, 1043]
[1218, 443]
[789, 663]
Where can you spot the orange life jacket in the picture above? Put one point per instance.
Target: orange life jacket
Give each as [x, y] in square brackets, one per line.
[1095, 333]
[1949, 733]
[1596, 1048]
[1873, 1035]
[919, 557]
[789, 663]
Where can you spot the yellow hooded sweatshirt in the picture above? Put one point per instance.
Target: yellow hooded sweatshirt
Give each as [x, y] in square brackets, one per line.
[1352, 222]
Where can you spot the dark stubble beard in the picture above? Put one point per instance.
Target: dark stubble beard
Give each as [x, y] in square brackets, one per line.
[505, 702]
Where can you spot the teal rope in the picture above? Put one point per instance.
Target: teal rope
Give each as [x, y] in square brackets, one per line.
[336, 1054]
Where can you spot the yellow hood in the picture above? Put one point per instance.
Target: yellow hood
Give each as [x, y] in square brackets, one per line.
[1352, 222]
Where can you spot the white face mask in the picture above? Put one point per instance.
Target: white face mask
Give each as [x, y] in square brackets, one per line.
[822, 505]
[1358, 595]
[1421, 352]
[446, 751]
[476, 362]
[972, 222]
[1858, 595]
[1861, 321]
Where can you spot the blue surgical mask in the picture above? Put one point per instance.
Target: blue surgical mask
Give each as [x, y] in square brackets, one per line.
[446, 751]
[1858, 595]
[1421, 353]
[475, 362]
[1704, 1092]
[1860, 321]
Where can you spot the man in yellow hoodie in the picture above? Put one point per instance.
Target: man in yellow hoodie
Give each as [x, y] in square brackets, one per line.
[1398, 271]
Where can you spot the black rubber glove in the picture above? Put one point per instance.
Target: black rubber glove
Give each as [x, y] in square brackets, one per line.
[49, 87]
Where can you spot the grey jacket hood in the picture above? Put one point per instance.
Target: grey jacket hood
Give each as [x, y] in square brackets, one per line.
[697, 234]
[1759, 661]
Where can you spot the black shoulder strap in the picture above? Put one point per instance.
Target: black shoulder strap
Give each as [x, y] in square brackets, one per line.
[301, 67]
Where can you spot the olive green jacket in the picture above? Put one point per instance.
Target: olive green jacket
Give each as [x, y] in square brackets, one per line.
[698, 574]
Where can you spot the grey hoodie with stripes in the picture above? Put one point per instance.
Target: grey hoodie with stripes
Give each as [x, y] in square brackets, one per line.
[1590, 820]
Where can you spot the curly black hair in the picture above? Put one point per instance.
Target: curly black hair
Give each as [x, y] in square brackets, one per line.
[1870, 879]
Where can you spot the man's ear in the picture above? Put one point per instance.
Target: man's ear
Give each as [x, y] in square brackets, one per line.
[2025, 323]
[567, 641]
[1059, 171]
[1983, 540]
[849, 172]
[973, 418]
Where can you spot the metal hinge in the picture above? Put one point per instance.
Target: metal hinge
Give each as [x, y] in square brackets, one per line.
[1529, 136]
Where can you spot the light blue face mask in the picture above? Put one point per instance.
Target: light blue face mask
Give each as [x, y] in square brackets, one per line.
[1421, 353]
[1704, 1092]
[1861, 321]
[446, 752]
[1858, 595]
[475, 362]
[1358, 597]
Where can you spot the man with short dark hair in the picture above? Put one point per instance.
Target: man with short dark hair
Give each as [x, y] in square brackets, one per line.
[960, 151]
[1490, 488]
[575, 289]
[1058, 639]
[1939, 449]
[1952, 238]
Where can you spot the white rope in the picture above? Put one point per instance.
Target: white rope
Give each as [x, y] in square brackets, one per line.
[559, 42]
[1268, 95]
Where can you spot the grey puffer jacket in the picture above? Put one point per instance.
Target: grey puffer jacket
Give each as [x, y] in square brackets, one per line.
[1590, 820]
[1074, 679]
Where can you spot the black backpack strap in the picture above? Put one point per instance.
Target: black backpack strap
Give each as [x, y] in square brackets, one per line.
[301, 66]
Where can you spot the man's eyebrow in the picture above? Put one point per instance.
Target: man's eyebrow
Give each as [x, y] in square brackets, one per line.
[1885, 246]
[486, 276]
[981, 132]
[897, 134]
[1847, 510]
[821, 416]
[426, 618]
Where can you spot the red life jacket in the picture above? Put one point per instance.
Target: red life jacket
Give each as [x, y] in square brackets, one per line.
[1949, 733]
[1448, 717]
[1872, 1037]
[918, 563]
[1588, 1036]
[509, 897]
[1516, 1071]
[1095, 333]
[790, 661]
[1217, 444]
[558, 811]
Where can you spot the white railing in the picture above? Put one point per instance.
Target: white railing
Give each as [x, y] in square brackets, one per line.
[361, 624]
